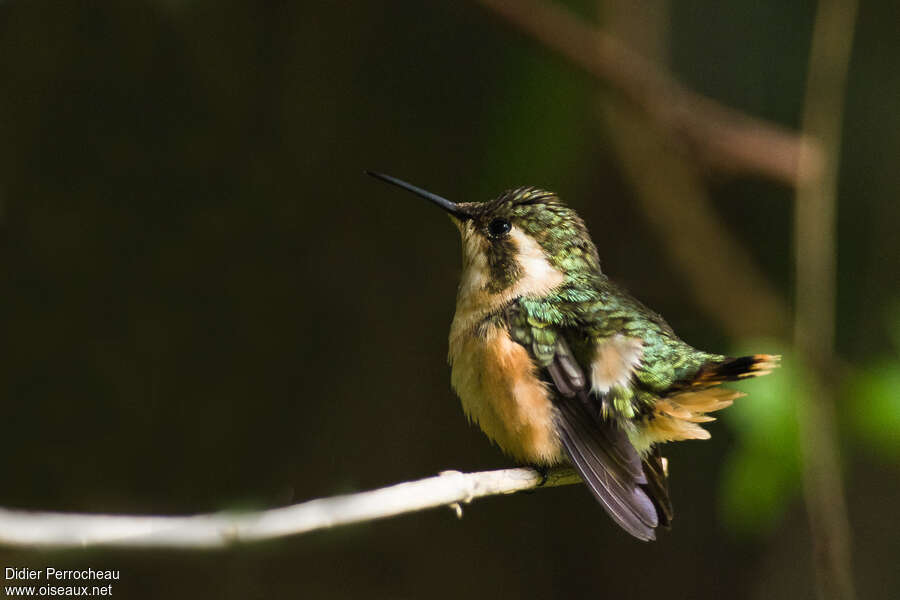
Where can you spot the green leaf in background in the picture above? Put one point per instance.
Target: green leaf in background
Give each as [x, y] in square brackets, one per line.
[871, 399]
[762, 474]
[872, 409]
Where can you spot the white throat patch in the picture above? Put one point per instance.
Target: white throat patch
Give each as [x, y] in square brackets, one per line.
[474, 301]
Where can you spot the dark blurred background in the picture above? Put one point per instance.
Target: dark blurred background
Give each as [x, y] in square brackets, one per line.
[206, 304]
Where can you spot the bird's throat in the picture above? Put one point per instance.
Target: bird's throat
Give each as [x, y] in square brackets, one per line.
[489, 283]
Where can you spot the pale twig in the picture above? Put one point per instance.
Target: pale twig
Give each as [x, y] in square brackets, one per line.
[216, 530]
[816, 255]
[720, 137]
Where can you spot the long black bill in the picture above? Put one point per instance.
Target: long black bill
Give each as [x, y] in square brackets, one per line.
[451, 207]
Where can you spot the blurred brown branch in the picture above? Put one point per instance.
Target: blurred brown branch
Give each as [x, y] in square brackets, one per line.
[815, 210]
[719, 137]
[721, 274]
[216, 530]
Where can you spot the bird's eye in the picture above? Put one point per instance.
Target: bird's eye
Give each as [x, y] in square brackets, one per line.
[499, 227]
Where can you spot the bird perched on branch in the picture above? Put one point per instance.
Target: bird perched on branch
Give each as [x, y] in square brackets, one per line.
[554, 361]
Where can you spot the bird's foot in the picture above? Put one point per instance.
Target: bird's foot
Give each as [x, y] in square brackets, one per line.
[544, 471]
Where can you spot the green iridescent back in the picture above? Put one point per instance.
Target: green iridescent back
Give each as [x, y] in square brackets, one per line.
[588, 308]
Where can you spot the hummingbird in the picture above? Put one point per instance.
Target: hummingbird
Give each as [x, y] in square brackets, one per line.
[555, 362]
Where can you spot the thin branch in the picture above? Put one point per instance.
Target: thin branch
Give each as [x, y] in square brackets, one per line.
[720, 137]
[816, 255]
[217, 530]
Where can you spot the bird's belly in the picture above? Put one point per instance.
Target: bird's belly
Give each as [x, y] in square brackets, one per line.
[496, 382]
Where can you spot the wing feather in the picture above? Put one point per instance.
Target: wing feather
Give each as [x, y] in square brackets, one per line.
[597, 447]
[657, 486]
[596, 450]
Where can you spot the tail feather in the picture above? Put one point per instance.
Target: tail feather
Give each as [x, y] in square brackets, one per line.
[676, 415]
[733, 369]
[695, 404]
[657, 487]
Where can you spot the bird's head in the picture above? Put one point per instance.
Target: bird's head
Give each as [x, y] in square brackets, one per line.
[525, 242]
